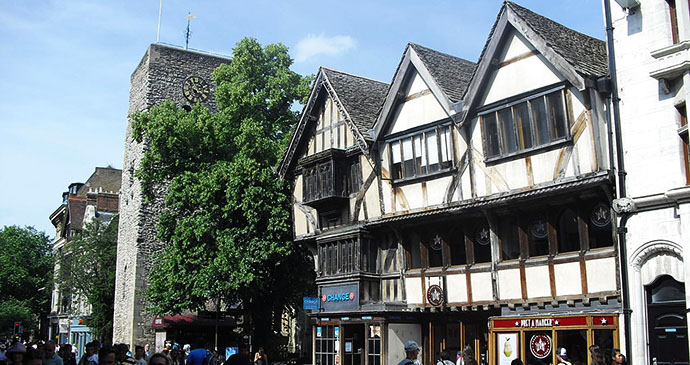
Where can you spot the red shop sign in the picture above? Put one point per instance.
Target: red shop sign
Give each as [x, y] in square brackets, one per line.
[602, 321]
[549, 322]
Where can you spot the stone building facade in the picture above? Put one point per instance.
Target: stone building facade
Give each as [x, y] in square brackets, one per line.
[185, 77]
[651, 43]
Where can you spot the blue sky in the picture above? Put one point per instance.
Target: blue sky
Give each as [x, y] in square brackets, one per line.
[64, 86]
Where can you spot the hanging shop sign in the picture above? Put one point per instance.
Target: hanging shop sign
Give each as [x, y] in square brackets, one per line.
[339, 297]
[310, 303]
[434, 295]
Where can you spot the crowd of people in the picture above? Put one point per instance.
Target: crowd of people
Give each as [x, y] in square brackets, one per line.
[48, 353]
[598, 355]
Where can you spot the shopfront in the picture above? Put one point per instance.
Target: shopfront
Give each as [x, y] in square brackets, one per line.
[535, 339]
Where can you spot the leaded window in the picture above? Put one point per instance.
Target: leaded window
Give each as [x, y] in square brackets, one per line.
[424, 153]
[525, 124]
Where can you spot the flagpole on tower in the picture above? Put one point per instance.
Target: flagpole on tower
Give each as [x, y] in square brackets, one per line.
[190, 16]
[158, 32]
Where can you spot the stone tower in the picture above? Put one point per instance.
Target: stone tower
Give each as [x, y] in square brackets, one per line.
[165, 72]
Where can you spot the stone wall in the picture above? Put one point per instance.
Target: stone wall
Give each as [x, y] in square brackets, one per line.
[159, 76]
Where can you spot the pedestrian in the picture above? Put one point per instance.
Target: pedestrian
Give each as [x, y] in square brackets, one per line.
[445, 359]
[160, 358]
[66, 354]
[562, 356]
[198, 353]
[121, 356]
[597, 355]
[260, 357]
[468, 356]
[90, 357]
[49, 355]
[140, 355]
[33, 357]
[617, 358]
[106, 356]
[411, 353]
[15, 354]
[147, 350]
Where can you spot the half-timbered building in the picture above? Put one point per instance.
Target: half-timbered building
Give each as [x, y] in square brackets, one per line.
[471, 205]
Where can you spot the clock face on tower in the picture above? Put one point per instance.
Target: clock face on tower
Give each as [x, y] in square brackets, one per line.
[195, 89]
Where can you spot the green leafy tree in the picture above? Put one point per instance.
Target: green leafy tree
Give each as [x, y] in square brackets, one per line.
[26, 267]
[227, 222]
[86, 271]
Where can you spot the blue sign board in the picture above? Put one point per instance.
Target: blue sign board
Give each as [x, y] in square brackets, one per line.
[310, 303]
[229, 351]
[339, 297]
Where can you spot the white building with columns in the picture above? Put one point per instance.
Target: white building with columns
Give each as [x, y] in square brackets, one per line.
[652, 55]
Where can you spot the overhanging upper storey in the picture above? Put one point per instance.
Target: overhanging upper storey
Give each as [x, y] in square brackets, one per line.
[576, 59]
[427, 86]
[340, 111]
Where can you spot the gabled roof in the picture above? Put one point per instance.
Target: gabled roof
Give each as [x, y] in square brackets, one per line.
[358, 98]
[587, 54]
[103, 179]
[577, 56]
[452, 74]
[447, 77]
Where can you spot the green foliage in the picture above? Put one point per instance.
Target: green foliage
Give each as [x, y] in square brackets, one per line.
[86, 271]
[26, 267]
[227, 224]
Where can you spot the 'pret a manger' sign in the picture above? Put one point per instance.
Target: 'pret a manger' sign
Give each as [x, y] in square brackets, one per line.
[553, 322]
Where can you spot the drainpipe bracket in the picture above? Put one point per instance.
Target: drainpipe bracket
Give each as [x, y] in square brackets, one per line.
[624, 205]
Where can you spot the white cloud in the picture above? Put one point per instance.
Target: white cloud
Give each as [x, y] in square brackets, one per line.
[314, 44]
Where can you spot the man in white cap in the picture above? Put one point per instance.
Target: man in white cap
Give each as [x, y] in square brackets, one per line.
[411, 353]
[562, 356]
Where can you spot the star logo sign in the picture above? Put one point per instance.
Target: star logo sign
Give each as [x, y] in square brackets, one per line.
[556, 322]
[540, 346]
[434, 295]
[603, 321]
[517, 323]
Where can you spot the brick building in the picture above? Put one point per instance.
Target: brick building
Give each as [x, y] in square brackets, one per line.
[98, 198]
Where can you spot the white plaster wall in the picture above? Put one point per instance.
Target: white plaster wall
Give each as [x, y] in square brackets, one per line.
[509, 285]
[601, 274]
[526, 74]
[537, 280]
[413, 290]
[457, 288]
[398, 334]
[481, 286]
[567, 278]
[387, 197]
[514, 173]
[413, 195]
[436, 190]
[543, 166]
[418, 111]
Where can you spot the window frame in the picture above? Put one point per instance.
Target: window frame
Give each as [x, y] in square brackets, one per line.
[421, 134]
[519, 139]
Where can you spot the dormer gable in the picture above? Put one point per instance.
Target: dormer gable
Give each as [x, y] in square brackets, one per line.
[427, 86]
[518, 33]
[340, 111]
